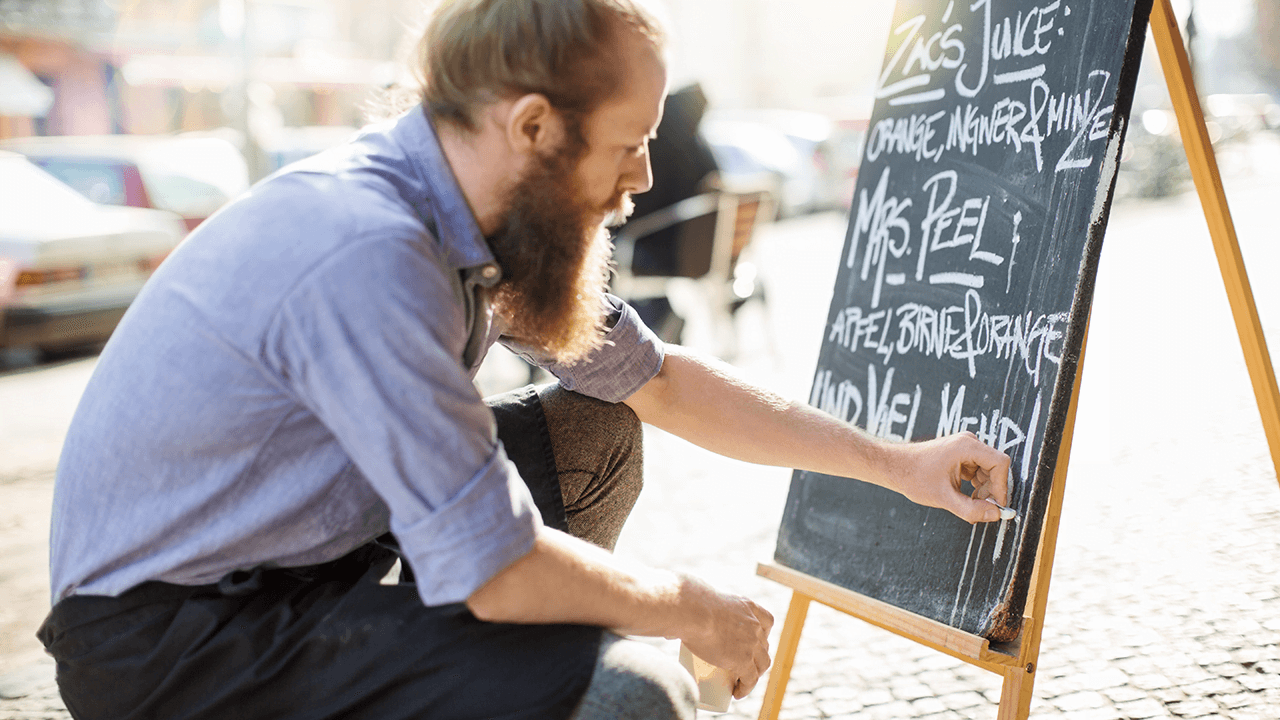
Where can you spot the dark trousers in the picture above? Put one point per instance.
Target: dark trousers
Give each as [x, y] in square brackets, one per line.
[333, 641]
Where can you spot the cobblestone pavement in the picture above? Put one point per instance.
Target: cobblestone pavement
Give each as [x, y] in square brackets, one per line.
[1165, 600]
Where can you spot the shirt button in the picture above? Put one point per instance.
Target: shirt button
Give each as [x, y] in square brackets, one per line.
[489, 272]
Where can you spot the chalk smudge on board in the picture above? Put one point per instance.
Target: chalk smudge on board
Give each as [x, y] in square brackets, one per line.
[968, 557]
[1004, 525]
[1110, 164]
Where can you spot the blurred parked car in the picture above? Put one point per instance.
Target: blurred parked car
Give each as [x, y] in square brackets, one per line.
[70, 267]
[1153, 163]
[192, 176]
[1239, 116]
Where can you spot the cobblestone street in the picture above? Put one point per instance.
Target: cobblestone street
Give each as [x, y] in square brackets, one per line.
[1165, 601]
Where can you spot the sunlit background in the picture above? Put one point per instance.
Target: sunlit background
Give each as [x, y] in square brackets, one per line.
[124, 123]
[281, 79]
[176, 106]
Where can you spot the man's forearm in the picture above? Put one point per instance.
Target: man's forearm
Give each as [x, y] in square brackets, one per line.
[705, 402]
[565, 580]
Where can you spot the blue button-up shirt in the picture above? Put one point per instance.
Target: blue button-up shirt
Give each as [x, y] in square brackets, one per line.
[296, 379]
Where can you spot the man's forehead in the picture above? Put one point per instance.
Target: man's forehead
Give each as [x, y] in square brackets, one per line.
[637, 108]
[629, 121]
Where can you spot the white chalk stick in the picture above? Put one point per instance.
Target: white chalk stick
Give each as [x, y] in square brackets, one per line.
[1005, 513]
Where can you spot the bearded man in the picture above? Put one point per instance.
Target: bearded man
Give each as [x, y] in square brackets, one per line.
[288, 409]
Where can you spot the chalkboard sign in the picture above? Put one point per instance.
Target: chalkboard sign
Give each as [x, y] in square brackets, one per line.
[964, 288]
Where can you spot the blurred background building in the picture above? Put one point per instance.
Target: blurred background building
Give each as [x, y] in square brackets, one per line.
[177, 105]
[274, 70]
[257, 67]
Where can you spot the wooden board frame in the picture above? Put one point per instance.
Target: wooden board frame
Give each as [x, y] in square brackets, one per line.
[1016, 662]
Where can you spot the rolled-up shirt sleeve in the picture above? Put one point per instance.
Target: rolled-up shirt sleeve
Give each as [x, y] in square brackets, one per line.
[370, 342]
[456, 547]
[630, 357]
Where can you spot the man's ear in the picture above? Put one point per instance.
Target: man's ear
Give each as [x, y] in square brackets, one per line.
[533, 125]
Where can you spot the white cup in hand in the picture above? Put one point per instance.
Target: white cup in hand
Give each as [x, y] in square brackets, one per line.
[715, 684]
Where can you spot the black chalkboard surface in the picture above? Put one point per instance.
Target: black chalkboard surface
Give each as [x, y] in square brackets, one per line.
[964, 288]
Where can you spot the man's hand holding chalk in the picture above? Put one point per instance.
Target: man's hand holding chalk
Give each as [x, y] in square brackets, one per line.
[932, 473]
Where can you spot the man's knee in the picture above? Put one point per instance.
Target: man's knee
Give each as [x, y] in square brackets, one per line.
[588, 418]
[636, 681]
[592, 435]
[599, 458]
[624, 418]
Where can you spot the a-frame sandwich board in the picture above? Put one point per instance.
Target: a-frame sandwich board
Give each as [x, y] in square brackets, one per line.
[1016, 661]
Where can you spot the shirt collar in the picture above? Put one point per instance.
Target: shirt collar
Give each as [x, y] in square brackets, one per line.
[441, 202]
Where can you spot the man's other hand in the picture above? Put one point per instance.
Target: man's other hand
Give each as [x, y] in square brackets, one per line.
[564, 579]
[728, 631]
[932, 472]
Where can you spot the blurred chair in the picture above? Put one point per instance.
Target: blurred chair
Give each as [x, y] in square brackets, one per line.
[711, 233]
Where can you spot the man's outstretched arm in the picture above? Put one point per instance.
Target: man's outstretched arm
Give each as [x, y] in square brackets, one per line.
[705, 402]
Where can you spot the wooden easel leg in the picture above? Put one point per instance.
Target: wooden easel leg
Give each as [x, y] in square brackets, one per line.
[1015, 695]
[785, 656]
[1204, 170]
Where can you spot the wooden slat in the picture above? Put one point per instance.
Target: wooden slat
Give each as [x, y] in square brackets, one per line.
[785, 657]
[965, 646]
[1204, 170]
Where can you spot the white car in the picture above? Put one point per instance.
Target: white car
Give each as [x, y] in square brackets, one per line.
[190, 174]
[69, 267]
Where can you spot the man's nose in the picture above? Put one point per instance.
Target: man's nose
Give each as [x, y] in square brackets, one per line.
[637, 176]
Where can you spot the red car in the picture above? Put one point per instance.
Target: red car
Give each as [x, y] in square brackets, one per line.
[190, 176]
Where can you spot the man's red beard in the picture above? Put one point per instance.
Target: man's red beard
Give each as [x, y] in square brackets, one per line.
[555, 253]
